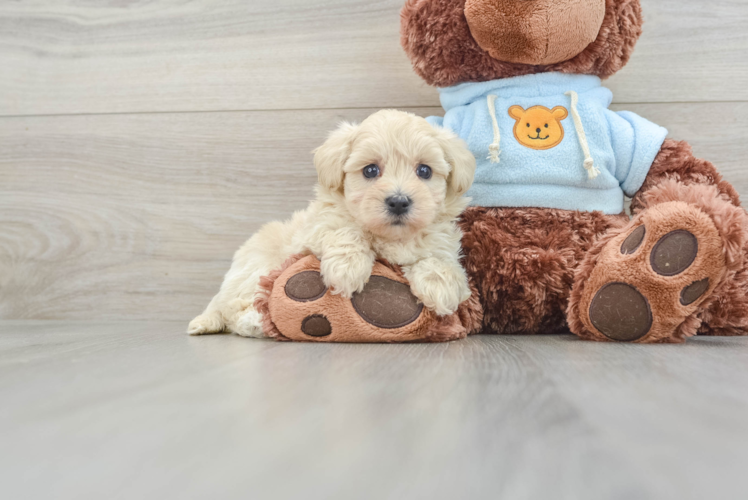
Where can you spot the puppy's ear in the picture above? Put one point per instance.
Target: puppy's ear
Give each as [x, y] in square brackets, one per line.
[460, 159]
[330, 157]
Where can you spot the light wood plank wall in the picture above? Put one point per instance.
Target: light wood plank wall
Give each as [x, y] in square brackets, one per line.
[141, 142]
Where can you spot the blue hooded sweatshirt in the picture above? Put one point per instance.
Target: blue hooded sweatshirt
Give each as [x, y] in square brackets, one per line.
[549, 140]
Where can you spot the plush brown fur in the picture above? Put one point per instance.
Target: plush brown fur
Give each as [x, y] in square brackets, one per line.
[522, 262]
[537, 32]
[676, 161]
[282, 317]
[727, 313]
[436, 36]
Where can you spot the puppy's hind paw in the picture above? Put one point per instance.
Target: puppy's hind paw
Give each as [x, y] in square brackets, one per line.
[206, 324]
[250, 325]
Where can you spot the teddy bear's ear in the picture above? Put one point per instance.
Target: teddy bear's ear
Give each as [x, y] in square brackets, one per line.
[331, 156]
[439, 42]
[516, 112]
[559, 113]
[461, 161]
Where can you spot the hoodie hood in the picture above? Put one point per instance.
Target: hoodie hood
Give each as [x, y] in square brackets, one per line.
[527, 86]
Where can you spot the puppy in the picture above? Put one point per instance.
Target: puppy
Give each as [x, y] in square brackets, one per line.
[388, 188]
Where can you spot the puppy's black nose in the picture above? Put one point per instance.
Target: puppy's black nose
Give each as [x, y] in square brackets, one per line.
[398, 205]
[538, 130]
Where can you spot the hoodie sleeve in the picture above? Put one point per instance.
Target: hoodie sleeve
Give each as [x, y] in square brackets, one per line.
[636, 142]
[435, 121]
[452, 120]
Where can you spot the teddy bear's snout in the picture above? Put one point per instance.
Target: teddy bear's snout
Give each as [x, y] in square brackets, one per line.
[516, 31]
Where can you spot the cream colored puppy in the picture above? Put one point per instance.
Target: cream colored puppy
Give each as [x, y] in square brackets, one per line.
[390, 187]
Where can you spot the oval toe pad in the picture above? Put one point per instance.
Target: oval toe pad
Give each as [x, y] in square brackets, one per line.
[386, 303]
[620, 312]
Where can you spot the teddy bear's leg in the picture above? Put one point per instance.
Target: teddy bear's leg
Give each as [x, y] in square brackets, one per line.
[677, 264]
[522, 263]
[295, 304]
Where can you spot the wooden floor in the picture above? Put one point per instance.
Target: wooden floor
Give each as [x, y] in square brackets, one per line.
[142, 141]
[138, 410]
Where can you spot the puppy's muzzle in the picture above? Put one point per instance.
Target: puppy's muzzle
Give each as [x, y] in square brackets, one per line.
[398, 205]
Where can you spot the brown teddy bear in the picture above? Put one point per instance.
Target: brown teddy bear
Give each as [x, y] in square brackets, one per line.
[546, 242]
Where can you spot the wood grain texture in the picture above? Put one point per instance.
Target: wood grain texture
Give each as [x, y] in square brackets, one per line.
[137, 216]
[73, 56]
[139, 410]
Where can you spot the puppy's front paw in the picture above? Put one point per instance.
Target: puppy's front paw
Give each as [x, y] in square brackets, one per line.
[441, 286]
[347, 275]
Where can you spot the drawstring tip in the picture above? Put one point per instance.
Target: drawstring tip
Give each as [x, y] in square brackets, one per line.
[495, 153]
[592, 170]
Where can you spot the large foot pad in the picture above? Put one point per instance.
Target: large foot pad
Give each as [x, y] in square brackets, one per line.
[653, 276]
[296, 305]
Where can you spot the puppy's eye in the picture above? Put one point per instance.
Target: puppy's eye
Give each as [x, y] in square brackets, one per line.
[424, 172]
[371, 171]
[528, 125]
[546, 125]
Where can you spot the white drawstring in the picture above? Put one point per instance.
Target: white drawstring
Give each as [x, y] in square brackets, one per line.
[494, 148]
[589, 163]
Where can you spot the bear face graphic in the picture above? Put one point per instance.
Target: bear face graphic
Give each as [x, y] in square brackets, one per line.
[539, 127]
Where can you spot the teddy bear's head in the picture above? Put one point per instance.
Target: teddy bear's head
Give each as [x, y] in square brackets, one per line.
[456, 41]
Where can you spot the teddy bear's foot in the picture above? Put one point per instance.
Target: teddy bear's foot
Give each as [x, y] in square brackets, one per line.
[296, 305]
[647, 282]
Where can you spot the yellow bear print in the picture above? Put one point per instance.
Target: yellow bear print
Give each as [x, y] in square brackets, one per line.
[539, 127]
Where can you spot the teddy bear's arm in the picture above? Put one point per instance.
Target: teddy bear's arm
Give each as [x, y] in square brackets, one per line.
[675, 162]
[636, 142]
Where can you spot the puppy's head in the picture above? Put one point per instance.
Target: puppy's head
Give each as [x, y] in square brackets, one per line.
[397, 173]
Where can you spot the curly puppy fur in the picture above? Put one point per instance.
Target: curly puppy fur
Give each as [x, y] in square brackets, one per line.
[349, 225]
[436, 36]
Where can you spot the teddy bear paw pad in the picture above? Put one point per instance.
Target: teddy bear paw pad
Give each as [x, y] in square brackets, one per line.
[316, 325]
[386, 303]
[649, 279]
[621, 312]
[306, 286]
[674, 253]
